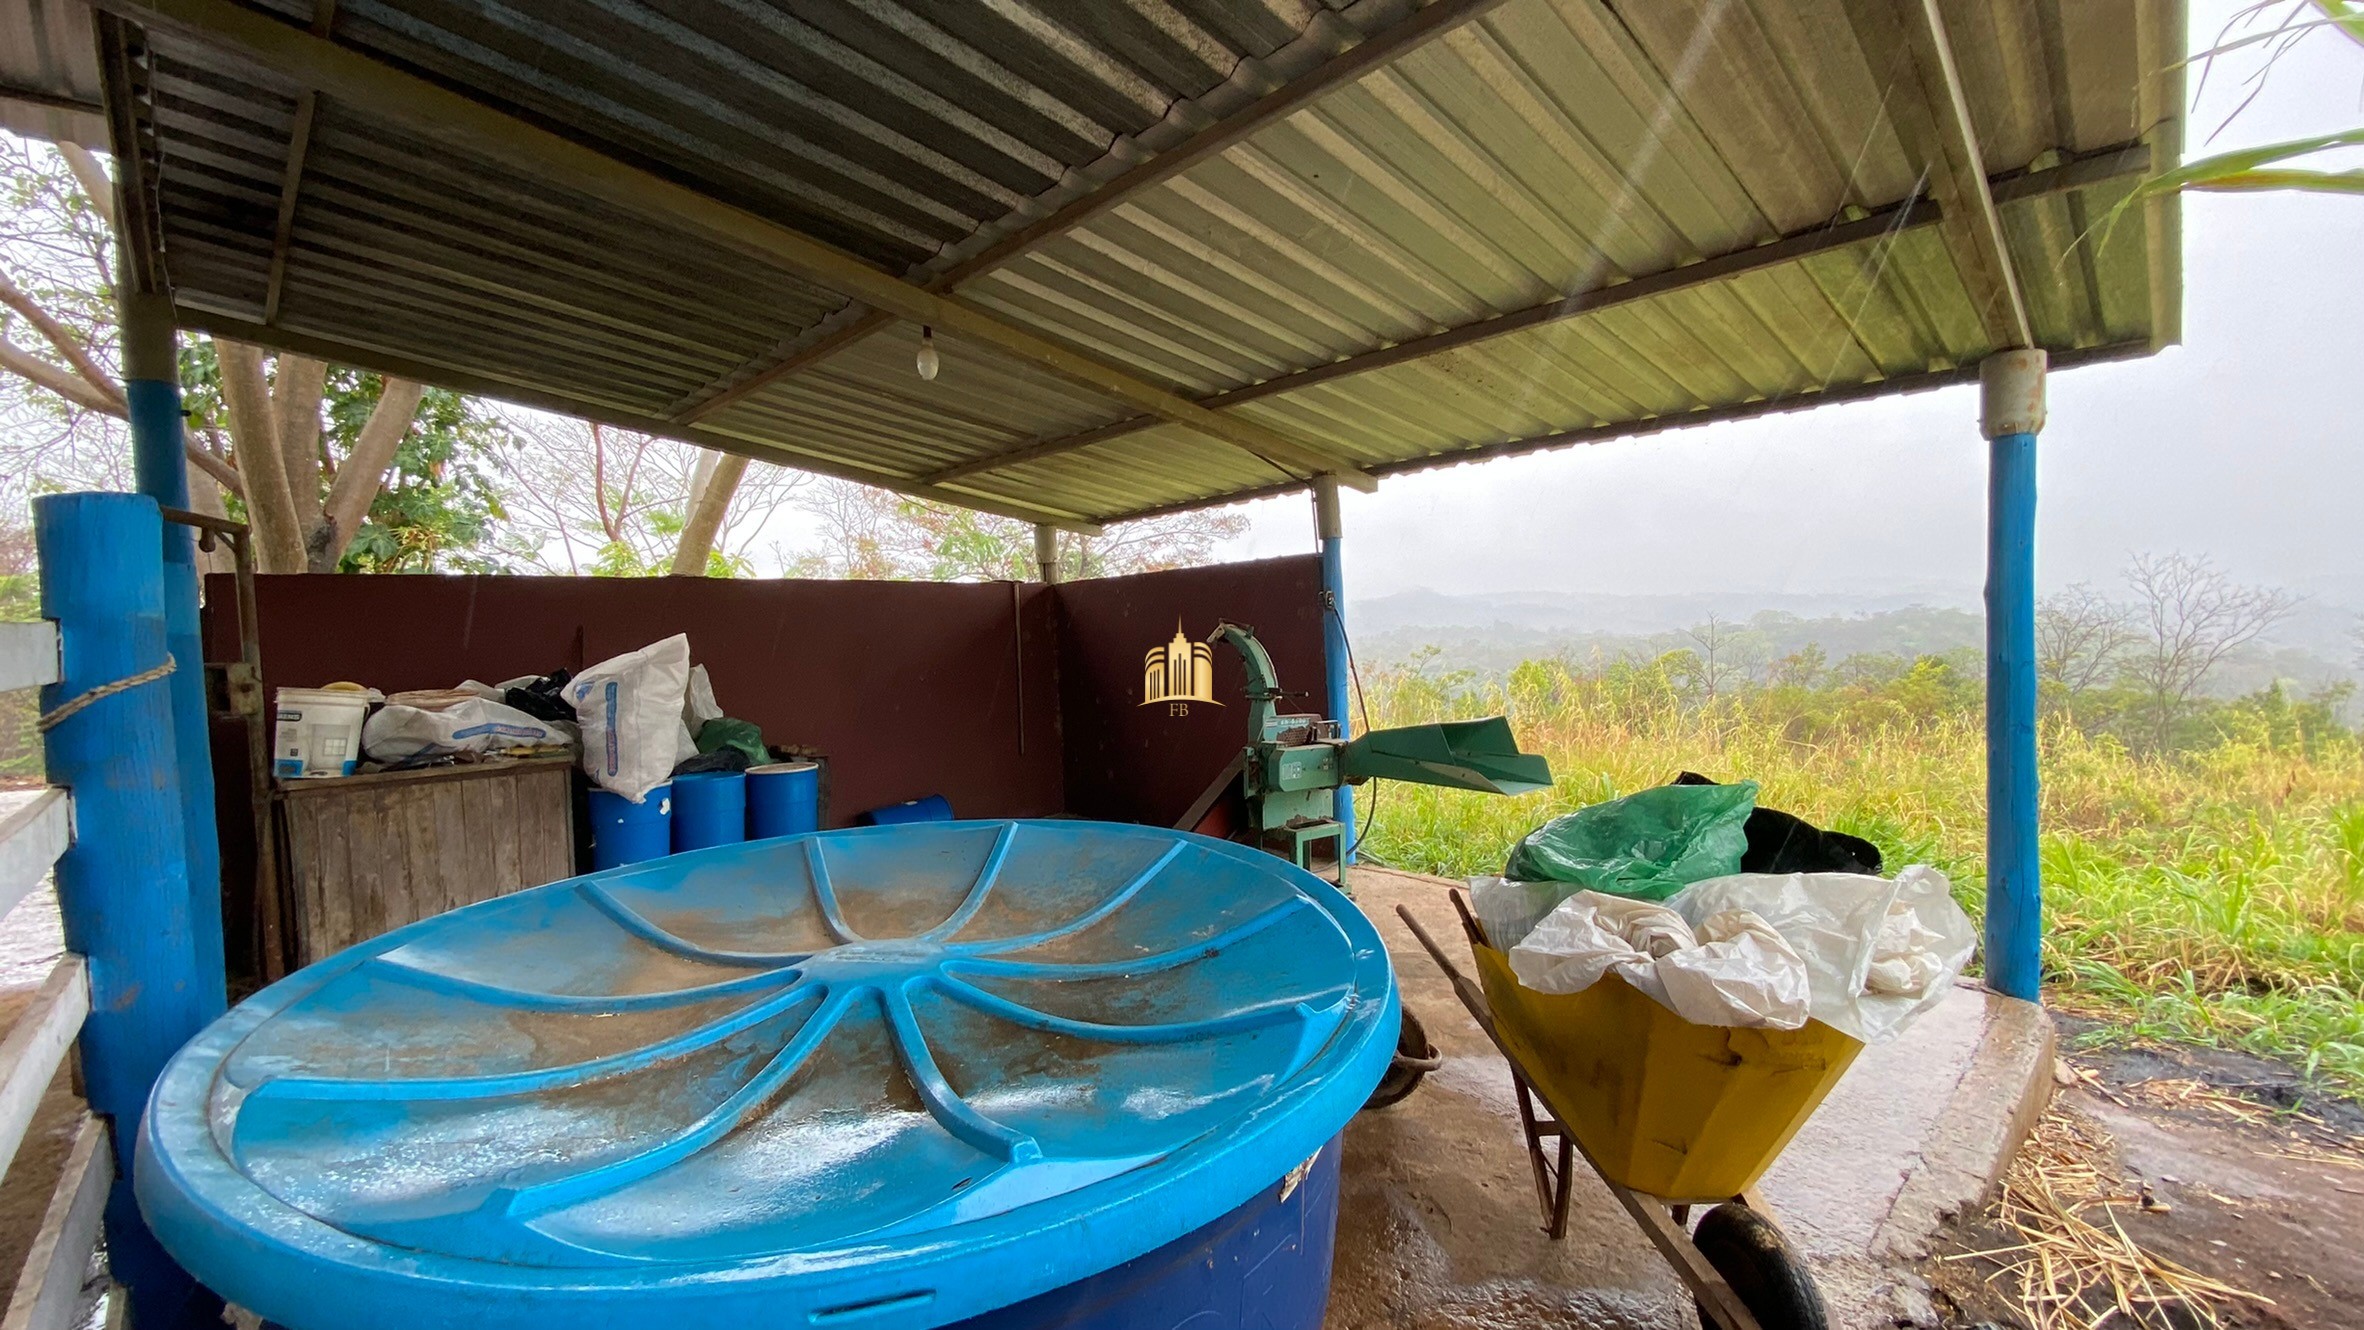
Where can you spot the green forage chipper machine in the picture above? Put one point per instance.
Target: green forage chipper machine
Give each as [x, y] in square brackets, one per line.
[1286, 777]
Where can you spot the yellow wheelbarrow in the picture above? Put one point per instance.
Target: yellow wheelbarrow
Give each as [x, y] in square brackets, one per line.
[1672, 1115]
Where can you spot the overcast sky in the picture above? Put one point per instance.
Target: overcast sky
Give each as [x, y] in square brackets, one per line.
[2242, 443]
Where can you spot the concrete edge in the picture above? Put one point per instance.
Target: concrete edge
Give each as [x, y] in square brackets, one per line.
[1989, 1115]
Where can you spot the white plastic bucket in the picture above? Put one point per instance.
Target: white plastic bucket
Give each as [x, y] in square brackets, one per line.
[319, 732]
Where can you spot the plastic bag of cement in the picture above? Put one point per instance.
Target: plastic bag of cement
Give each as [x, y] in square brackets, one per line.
[1647, 845]
[1878, 951]
[400, 732]
[1732, 969]
[630, 710]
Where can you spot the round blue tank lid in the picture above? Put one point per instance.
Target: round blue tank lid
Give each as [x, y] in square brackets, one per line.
[888, 1077]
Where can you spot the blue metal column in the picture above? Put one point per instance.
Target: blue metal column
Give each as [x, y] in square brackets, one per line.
[1337, 696]
[2012, 384]
[151, 384]
[123, 886]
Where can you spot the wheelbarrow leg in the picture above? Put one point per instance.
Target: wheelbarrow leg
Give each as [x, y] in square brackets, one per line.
[1551, 1182]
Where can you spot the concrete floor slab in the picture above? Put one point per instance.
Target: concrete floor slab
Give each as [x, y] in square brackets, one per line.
[1440, 1227]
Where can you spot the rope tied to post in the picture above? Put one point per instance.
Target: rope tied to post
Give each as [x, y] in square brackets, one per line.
[50, 720]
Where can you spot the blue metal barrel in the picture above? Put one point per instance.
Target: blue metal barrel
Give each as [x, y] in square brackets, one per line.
[982, 1074]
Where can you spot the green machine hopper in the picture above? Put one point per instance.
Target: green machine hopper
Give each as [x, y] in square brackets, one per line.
[1292, 761]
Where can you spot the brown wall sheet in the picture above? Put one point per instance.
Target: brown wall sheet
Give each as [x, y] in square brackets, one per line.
[1132, 763]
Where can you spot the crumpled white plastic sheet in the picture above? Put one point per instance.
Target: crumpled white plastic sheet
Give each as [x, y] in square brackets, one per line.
[1878, 951]
[1732, 969]
[1509, 910]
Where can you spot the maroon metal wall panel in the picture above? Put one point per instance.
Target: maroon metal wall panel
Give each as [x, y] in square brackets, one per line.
[912, 688]
[1132, 763]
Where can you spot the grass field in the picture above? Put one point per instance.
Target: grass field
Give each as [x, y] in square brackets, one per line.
[2213, 895]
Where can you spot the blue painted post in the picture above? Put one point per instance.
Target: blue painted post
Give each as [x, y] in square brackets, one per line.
[123, 886]
[1337, 698]
[2012, 384]
[151, 384]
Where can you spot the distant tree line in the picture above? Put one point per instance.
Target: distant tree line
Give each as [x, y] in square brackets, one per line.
[2140, 666]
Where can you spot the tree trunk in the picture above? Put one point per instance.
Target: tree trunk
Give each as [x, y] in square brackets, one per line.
[205, 496]
[363, 473]
[262, 465]
[706, 509]
[296, 385]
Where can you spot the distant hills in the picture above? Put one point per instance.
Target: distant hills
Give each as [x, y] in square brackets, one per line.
[1494, 631]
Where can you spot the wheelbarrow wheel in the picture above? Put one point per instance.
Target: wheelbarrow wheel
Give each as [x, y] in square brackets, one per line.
[1415, 1057]
[1749, 1252]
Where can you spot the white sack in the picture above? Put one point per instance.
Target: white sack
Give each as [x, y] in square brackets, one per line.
[1510, 910]
[399, 733]
[1878, 952]
[699, 706]
[1736, 971]
[630, 711]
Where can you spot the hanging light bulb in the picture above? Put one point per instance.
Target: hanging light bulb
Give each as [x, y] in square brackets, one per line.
[929, 363]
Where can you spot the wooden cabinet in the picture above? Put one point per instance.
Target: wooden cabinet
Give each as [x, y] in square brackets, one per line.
[367, 854]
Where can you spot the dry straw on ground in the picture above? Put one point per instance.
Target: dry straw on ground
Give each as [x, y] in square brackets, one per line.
[2075, 1267]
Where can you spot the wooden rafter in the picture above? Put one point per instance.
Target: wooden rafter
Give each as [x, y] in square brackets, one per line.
[291, 179]
[1372, 53]
[371, 87]
[460, 379]
[1920, 381]
[2127, 161]
[1906, 44]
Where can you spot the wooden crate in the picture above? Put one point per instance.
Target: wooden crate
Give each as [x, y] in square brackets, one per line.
[367, 854]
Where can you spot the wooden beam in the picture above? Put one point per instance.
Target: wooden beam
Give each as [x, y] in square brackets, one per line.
[55, 101]
[1615, 430]
[36, 1045]
[34, 832]
[372, 88]
[1913, 61]
[1372, 53]
[460, 379]
[48, 1292]
[28, 654]
[2127, 161]
[291, 181]
[291, 178]
[131, 137]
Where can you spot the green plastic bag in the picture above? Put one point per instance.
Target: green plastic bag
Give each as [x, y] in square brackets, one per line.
[723, 732]
[1647, 845]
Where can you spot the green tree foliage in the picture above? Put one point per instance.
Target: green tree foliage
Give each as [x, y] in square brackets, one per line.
[436, 511]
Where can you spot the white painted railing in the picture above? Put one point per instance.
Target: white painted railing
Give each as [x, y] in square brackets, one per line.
[28, 655]
[35, 830]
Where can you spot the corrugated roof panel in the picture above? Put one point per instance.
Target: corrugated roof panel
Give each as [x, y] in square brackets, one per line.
[46, 51]
[980, 401]
[1549, 147]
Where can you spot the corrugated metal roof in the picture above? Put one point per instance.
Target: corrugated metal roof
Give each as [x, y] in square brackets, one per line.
[49, 77]
[1546, 149]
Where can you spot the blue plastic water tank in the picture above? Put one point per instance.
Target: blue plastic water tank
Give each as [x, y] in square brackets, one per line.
[973, 1073]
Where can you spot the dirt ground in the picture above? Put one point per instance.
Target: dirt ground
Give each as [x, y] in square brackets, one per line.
[2227, 1165]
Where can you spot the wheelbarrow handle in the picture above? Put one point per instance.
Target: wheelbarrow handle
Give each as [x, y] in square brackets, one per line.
[1470, 994]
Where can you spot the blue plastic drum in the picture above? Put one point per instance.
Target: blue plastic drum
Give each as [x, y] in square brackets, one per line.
[624, 832]
[932, 808]
[972, 1073]
[709, 809]
[783, 799]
